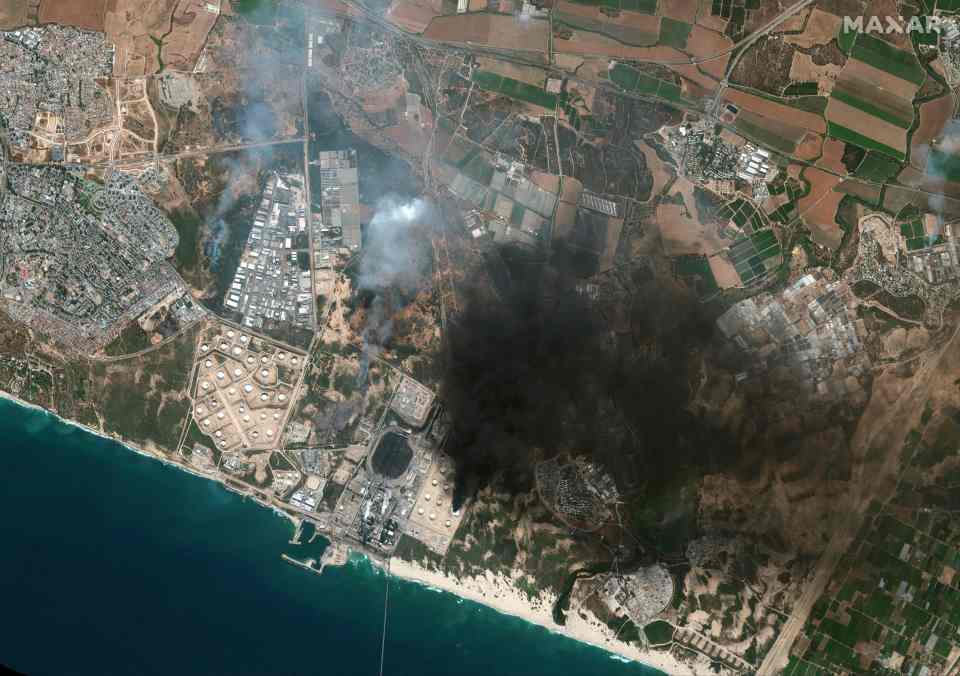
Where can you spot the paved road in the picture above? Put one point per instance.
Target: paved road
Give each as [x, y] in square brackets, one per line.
[863, 489]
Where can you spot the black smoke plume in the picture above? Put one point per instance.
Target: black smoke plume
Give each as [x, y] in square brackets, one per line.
[551, 366]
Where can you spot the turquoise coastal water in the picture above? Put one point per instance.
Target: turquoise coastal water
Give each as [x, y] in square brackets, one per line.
[112, 563]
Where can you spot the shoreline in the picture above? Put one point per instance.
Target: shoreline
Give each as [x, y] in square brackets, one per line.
[490, 591]
[130, 446]
[501, 595]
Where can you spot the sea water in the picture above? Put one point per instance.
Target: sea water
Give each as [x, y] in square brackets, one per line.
[113, 563]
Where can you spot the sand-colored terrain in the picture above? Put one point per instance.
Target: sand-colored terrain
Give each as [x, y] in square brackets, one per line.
[502, 594]
[881, 80]
[872, 127]
[86, 14]
[413, 15]
[776, 111]
[514, 71]
[821, 28]
[660, 171]
[819, 207]
[491, 30]
[182, 27]
[692, 74]
[832, 157]
[934, 116]
[803, 69]
[809, 146]
[723, 271]
[682, 234]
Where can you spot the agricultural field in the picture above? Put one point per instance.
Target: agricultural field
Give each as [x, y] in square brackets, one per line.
[916, 236]
[934, 116]
[633, 81]
[755, 255]
[643, 6]
[871, 104]
[515, 89]
[630, 28]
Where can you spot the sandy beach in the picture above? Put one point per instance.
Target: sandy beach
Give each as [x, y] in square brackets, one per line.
[495, 592]
[503, 596]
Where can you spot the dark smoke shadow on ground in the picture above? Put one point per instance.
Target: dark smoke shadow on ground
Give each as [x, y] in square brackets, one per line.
[546, 370]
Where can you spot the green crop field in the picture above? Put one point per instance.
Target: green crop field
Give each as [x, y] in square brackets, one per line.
[801, 89]
[870, 109]
[886, 57]
[878, 167]
[640, 83]
[515, 89]
[944, 165]
[642, 6]
[764, 137]
[674, 33]
[850, 136]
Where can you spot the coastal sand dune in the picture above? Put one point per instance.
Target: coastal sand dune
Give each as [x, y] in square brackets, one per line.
[500, 594]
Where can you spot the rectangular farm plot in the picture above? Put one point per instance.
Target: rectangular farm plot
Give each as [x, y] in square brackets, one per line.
[630, 28]
[868, 132]
[755, 255]
[674, 33]
[641, 83]
[515, 89]
[915, 236]
[643, 6]
[769, 132]
[875, 108]
[879, 54]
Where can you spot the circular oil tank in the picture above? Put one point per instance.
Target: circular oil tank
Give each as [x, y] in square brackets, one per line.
[392, 456]
[204, 348]
[248, 388]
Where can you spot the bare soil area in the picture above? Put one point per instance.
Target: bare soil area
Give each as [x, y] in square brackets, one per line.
[819, 207]
[821, 28]
[933, 118]
[86, 14]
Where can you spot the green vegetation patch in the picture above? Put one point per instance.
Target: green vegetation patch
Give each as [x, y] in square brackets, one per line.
[658, 632]
[846, 39]
[870, 109]
[878, 167]
[515, 89]
[944, 165]
[842, 133]
[131, 339]
[880, 54]
[764, 137]
[697, 269]
[674, 33]
[642, 6]
[801, 89]
[640, 83]
[749, 255]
